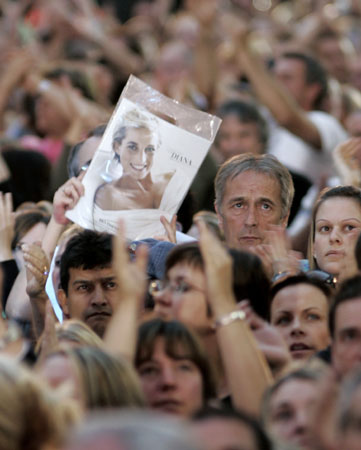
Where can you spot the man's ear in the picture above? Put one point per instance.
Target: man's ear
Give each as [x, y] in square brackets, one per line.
[63, 301]
[220, 217]
[284, 221]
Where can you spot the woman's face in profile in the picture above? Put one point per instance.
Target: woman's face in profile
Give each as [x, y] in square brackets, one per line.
[136, 152]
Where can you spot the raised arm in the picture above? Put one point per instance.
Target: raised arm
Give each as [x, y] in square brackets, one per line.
[121, 333]
[246, 369]
[274, 95]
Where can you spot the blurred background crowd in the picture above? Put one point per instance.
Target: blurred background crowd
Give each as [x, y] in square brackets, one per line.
[285, 78]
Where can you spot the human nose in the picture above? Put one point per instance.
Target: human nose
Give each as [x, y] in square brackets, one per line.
[335, 235]
[302, 423]
[297, 329]
[162, 302]
[168, 378]
[98, 296]
[141, 157]
[251, 218]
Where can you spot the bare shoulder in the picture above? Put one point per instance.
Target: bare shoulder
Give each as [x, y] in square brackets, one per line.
[104, 197]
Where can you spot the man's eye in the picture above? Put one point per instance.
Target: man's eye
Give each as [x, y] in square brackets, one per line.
[349, 335]
[266, 206]
[83, 287]
[238, 205]
[111, 285]
[150, 150]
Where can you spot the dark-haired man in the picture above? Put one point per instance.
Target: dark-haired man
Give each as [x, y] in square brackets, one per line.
[303, 136]
[88, 284]
[345, 326]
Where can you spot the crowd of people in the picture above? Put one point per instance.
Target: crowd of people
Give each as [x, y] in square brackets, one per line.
[240, 327]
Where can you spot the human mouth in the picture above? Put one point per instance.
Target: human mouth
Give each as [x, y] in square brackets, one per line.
[168, 405]
[304, 442]
[335, 253]
[138, 167]
[250, 239]
[98, 315]
[300, 350]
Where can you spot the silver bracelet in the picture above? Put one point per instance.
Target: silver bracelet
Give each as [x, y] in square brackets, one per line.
[230, 318]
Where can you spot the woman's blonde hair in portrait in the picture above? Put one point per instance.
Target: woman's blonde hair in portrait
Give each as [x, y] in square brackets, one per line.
[134, 118]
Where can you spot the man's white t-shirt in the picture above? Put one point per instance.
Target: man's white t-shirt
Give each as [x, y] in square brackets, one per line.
[301, 157]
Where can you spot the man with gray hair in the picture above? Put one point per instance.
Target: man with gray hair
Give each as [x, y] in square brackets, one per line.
[253, 192]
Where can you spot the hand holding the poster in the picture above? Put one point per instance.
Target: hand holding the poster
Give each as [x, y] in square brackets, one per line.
[66, 197]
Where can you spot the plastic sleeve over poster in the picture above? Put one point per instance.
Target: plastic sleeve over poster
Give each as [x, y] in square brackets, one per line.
[150, 152]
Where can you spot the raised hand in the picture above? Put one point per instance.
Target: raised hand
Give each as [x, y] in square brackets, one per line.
[131, 275]
[268, 338]
[170, 230]
[347, 158]
[275, 253]
[37, 269]
[218, 269]
[66, 197]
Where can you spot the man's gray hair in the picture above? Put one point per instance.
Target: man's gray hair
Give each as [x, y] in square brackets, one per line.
[267, 164]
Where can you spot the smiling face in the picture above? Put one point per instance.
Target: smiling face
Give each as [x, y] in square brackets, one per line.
[337, 226]
[289, 415]
[136, 152]
[251, 203]
[172, 385]
[300, 313]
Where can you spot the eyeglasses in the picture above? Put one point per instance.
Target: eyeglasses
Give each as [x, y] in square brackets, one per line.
[180, 287]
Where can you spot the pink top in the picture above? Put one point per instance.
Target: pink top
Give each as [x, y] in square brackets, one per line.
[51, 148]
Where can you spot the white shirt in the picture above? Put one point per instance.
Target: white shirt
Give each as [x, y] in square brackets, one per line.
[301, 157]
